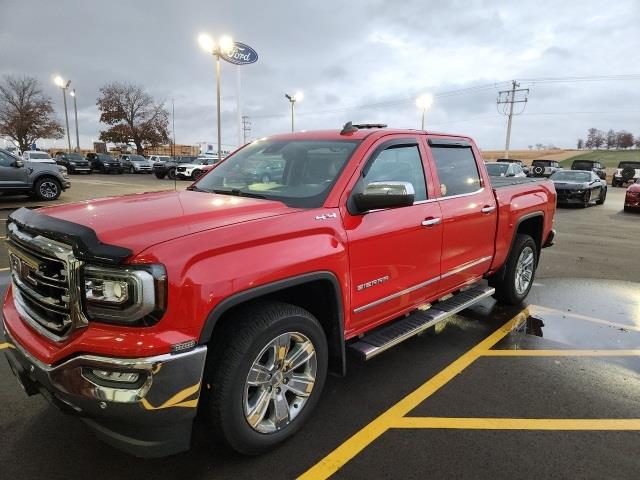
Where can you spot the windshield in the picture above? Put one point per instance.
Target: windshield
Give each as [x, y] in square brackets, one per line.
[38, 155]
[629, 164]
[542, 163]
[497, 169]
[299, 173]
[572, 176]
[137, 158]
[75, 156]
[104, 156]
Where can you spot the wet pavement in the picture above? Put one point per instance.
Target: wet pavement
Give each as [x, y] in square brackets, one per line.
[566, 368]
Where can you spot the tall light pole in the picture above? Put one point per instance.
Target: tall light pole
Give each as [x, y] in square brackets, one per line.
[424, 102]
[59, 81]
[223, 46]
[293, 99]
[75, 110]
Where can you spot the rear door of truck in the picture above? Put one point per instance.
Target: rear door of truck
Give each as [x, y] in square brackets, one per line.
[468, 208]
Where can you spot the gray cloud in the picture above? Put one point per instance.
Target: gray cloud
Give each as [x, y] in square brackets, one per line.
[341, 54]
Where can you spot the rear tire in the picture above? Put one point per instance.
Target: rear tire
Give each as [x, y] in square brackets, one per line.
[160, 175]
[520, 269]
[248, 343]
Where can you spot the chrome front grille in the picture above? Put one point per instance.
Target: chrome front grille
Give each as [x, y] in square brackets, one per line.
[45, 277]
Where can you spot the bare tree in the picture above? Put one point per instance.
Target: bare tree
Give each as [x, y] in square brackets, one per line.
[624, 139]
[133, 116]
[595, 138]
[26, 113]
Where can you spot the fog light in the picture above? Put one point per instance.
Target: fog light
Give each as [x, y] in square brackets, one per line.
[111, 376]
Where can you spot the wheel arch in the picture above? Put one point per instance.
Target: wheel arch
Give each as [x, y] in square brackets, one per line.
[531, 224]
[318, 292]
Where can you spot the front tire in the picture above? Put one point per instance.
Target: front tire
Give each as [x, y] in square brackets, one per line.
[520, 269]
[172, 173]
[265, 373]
[47, 189]
[603, 197]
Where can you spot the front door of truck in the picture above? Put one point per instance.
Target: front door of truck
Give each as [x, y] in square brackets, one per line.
[394, 253]
[12, 177]
[469, 212]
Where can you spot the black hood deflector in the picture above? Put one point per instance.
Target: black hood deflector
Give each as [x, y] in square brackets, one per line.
[84, 241]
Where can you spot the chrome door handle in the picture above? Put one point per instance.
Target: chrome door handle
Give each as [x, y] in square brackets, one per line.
[488, 209]
[430, 222]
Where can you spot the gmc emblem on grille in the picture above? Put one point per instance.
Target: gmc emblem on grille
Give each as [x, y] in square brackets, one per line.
[22, 269]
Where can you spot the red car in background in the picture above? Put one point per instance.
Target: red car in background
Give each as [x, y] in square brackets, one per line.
[632, 198]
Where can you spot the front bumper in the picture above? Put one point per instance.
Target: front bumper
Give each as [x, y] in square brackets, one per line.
[151, 418]
[566, 197]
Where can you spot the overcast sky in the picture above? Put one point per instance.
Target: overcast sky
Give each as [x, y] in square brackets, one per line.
[343, 55]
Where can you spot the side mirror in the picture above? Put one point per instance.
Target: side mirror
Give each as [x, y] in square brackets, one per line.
[378, 195]
[18, 163]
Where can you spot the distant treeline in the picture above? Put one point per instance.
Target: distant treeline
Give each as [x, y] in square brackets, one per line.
[610, 140]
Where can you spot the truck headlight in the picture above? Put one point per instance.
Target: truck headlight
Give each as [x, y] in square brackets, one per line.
[130, 295]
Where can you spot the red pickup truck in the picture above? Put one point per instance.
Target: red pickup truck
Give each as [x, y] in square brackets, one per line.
[237, 296]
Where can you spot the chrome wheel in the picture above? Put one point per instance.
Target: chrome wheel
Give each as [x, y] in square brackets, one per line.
[280, 381]
[49, 190]
[524, 270]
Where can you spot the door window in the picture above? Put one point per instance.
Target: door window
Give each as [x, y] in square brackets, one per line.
[457, 170]
[6, 160]
[401, 163]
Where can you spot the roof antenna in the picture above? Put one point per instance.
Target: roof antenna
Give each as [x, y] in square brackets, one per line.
[348, 128]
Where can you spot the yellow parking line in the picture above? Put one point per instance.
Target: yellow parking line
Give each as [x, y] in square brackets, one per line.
[534, 309]
[4, 269]
[561, 353]
[354, 445]
[6, 345]
[519, 423]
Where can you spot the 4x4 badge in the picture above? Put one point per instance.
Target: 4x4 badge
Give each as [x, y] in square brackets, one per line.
[325, 216]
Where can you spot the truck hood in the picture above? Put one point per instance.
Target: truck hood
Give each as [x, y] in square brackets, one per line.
[141, 220]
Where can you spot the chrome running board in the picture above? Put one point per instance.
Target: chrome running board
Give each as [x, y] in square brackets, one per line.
[389, 335]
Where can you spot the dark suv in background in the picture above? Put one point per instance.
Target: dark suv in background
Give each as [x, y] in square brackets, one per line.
[73, 162]
[104, 163]
[590, 166]
[168, 169]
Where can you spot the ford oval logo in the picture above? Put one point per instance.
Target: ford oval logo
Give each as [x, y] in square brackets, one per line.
[242, 54]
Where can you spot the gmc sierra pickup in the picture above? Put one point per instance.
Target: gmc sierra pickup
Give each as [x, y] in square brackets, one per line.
[237, 296]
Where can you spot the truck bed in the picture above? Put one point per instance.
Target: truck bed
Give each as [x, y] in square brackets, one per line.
[501, 182]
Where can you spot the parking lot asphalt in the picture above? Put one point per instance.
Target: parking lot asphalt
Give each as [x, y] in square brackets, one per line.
[547, 390]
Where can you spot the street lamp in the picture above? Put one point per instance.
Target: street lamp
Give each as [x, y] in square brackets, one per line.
[224, 46]
[59, 81]
[75, 109]
[424, 102]
[293, 99]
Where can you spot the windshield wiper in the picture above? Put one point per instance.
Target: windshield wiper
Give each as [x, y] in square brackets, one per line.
[193, 188]
[239, 193]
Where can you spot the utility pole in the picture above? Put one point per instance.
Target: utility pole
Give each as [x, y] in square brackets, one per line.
[246, 127]
[508, 97]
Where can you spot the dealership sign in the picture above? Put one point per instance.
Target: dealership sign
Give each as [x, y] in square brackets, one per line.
[242, 54]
